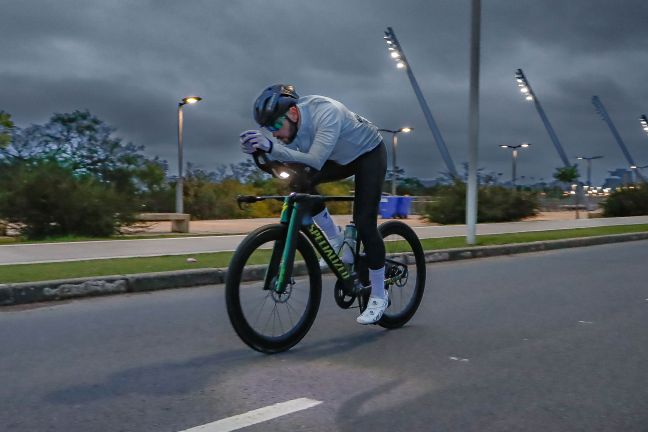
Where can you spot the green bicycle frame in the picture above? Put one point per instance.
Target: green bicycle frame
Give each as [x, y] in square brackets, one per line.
[297, 219]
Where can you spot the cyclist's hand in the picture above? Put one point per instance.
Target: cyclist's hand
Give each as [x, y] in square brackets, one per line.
[253, 140]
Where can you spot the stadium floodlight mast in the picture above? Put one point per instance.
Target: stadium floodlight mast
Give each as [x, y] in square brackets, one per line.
[514, 154]
[396, 53]
[180, 183]
[589, 160]
[644, 122]
[600, 109]
[394, 144]
[527, 92]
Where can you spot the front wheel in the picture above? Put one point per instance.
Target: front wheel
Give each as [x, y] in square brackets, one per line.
[265, 320]
[404, 273]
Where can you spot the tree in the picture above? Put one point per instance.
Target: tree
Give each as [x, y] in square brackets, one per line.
[569, 174]
[50, 200]
[81, 142]
[92, 165]
[6, 126]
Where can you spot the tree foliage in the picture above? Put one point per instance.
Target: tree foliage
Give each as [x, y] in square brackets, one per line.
[94, 178]
[567, 174]
[51, 200]
[6, 127]
[495, 204]
[627, 202]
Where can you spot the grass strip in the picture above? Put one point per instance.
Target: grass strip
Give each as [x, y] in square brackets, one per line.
[119, 266]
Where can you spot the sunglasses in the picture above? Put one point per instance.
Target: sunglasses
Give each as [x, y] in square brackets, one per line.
[277, 124]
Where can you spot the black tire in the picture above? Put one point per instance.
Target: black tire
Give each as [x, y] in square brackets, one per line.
[247, 300]
[403, 246]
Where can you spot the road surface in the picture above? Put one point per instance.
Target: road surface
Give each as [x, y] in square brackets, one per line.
[552, 341]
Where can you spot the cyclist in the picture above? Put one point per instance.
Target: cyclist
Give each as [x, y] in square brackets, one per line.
[322, 133]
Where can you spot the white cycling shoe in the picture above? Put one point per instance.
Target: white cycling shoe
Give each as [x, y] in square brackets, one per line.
[375, 309]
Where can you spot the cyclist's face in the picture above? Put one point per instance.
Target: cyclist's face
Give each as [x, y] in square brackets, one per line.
[286, 133]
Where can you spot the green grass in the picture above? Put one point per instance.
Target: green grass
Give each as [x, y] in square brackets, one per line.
[72, 239]
[120, 266]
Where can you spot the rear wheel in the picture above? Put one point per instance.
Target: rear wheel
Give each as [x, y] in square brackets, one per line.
[265, 320]
[405, 273]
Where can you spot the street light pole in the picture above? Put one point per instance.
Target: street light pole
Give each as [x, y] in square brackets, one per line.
[394, 145]
[527, 91]
[396, 53]
[514, 173]
[635, 169]
[514, 158]
[615, 133]
[180, 183]
[589, 160]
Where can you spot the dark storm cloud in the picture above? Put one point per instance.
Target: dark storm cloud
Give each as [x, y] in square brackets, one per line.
[131, 62]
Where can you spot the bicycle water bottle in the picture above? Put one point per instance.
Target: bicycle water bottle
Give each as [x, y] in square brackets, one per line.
[350, 236]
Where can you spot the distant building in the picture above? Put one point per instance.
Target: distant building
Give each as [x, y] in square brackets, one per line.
[618, 177]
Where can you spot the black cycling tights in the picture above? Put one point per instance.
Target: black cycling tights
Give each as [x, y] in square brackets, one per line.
[369, 170]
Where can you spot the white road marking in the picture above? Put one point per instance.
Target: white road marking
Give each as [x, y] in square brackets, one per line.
[256, 416]
[459, 359]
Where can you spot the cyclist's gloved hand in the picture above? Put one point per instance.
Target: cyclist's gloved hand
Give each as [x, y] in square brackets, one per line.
[253, 140]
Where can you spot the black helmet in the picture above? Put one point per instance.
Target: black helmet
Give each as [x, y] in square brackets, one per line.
[273, 102]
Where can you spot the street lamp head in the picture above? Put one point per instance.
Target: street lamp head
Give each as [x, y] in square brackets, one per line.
[190, 100]
[406, 129]
[644, 122]
[504, 146]
[525, 145]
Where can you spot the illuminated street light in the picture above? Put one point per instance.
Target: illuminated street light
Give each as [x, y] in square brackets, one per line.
[180, 183]
[589, 160]
[397, 54]
[644, 123]
[527, 92]
[514, 153]
[394, 144]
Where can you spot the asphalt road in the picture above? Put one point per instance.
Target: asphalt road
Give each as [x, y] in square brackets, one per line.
[552, 341]
[74, 251]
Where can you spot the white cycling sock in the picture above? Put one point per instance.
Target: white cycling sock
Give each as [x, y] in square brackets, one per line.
[377, 279]
[326, 224]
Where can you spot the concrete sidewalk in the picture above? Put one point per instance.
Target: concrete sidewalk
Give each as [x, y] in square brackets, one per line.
[243, 226]
[89, 250]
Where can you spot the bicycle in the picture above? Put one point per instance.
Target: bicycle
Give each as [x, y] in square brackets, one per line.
[274, 281]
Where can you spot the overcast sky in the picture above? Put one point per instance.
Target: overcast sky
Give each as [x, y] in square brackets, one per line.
[130, 62]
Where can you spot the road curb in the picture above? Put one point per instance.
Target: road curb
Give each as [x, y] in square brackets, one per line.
[34, 292]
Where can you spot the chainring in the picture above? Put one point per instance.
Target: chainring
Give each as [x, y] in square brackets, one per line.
[342, 300]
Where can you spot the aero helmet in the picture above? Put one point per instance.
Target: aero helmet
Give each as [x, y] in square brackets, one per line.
[273, 102]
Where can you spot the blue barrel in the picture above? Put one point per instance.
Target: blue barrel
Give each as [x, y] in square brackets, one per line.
[388, 206]
[403, 207]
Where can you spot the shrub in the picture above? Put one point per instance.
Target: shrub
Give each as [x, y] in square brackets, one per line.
[49, 200]
[627, 202]
[495, 204]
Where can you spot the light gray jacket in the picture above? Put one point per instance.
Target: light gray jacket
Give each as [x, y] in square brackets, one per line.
[327, 131]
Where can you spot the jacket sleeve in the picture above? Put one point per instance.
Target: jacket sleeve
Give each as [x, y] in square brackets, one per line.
[327, 125]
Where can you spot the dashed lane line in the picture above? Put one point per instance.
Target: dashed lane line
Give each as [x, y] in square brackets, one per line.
[256, 416]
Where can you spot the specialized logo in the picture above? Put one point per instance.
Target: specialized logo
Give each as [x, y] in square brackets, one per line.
[328, 252]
